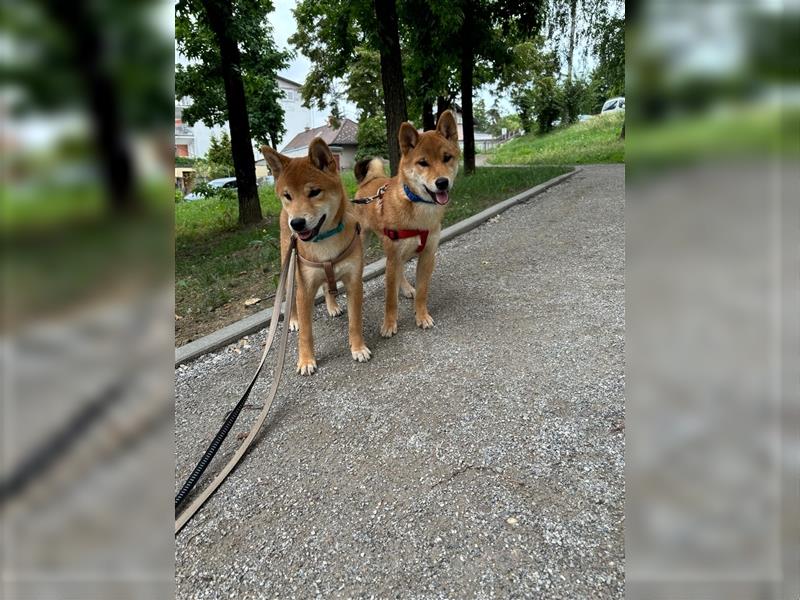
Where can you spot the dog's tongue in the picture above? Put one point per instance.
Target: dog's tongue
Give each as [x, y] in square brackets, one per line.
[442, 198]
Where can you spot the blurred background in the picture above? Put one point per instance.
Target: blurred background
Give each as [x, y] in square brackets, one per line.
[711, 288]
[86, 459]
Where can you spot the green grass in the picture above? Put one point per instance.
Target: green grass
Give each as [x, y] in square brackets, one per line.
[219, 264]
[594, 141]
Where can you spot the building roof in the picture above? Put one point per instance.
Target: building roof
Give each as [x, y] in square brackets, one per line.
[281, 78]
[345, 135]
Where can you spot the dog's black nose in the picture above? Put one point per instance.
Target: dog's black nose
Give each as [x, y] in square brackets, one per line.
[298, 224]
[442, 183]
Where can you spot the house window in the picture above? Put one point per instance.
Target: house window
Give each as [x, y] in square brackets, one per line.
[182, 150]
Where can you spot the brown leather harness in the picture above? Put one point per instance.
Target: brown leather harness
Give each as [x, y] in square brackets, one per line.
[330, 275]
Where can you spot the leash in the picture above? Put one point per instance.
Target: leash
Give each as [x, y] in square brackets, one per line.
[286, 282]
[370, 199]
[329, 264]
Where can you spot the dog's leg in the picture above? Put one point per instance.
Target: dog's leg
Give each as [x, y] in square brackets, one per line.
[424, 273]
[334, 310]
[393, 263]
[406, 287]
[306, 364]
[355, 298]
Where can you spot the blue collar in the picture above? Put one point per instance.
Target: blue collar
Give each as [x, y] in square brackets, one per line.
[324, 235]
[413, 197]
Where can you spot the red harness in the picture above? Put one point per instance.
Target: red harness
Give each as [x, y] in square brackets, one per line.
[401, 234]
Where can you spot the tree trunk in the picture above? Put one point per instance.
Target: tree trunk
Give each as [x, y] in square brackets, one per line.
[428, 121]
[219, 20]
[467, 80]
[113, 152]
[573, 8]
[394, 93]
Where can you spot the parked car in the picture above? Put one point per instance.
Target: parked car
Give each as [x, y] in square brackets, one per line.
[228, 183]
[613, 105]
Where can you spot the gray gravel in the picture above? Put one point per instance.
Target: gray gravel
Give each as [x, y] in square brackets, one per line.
[480, 459]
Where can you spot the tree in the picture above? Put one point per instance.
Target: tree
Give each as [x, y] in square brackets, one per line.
[372, 138]
[394, 92]
[530, 75]
[330, 34]
[363, 80]
[220, 152]
[87, 57]
[232, 75]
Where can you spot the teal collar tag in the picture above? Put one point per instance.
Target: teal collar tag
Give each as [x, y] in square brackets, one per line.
[324, 235]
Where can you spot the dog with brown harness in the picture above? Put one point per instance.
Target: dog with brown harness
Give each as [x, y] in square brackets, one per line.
[315, 209]
[406, 211]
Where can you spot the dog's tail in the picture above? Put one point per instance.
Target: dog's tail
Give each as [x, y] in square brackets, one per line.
[368, 169]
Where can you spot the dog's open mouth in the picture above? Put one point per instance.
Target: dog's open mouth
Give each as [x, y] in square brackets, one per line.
[309, 234]
[441, 197]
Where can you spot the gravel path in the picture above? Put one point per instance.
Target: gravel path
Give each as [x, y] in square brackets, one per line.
[480, 459]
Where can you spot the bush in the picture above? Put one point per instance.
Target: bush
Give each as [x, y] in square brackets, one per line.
[573, 93]
[178, 196]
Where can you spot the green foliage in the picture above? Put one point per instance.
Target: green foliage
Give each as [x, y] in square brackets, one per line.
[530, 76]
[594, 141]
[328, 34]
[364, 87]
[185, 161]
[608, 78]
[220, 153]
[547, 103]
[481, 116]
[572, 96]
[260, 62]
[372, 138]
[178, 196]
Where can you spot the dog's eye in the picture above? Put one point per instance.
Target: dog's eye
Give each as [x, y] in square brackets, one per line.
[314, 192]
[447, 158]
[422, 163]
[288, 196]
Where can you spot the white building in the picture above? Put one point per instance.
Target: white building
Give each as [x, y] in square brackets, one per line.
[194, 141]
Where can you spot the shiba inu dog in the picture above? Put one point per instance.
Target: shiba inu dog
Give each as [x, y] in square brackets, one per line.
[315, 208]
[406, 211]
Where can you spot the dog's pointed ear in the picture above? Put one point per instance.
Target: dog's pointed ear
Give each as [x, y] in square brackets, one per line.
[407, 137]
[321, 156]
[277, 162]
[447, 126]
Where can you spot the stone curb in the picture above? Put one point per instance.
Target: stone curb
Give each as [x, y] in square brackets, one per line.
[252, 323]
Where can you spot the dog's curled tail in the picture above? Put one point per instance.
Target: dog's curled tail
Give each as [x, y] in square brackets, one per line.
[368, 169]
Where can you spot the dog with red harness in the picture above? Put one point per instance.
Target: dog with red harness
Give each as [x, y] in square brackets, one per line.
[406, 211]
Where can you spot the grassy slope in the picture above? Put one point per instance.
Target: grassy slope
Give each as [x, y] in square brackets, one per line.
[218, 265]
[593, 141]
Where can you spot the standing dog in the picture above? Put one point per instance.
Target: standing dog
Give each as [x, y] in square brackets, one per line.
[407, 210]
[315, 209]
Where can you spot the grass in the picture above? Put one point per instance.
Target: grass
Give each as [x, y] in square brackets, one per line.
[218, 265]
[594, 141]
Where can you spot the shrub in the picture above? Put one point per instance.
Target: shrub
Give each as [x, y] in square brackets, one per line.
[178, 196]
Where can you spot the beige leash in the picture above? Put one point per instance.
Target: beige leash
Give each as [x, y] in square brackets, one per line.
[286, 281]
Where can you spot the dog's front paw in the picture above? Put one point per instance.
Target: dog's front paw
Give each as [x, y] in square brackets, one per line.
[424, 320]
[362, 354]
[294, 325]
[389, 328]
[306, 367]
[335, 310]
